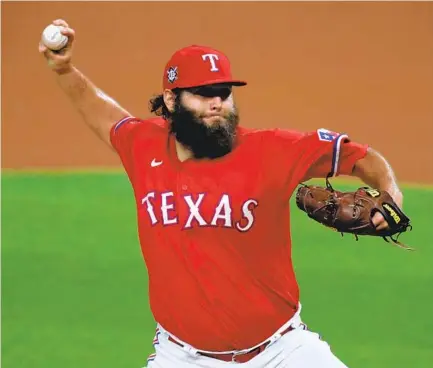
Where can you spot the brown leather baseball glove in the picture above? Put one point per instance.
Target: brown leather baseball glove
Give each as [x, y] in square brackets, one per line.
[352, 212]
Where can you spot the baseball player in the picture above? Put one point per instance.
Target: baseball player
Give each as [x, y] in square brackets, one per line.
[212, 202]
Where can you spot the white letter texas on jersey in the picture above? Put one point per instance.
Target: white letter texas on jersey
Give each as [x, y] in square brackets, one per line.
[222, 212]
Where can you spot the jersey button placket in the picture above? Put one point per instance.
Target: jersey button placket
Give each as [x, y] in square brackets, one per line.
[181, 182]
[181, 188]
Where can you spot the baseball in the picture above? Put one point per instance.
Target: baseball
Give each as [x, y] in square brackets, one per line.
[53, 38]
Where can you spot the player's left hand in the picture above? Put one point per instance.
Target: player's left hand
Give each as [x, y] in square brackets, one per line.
[378, 219]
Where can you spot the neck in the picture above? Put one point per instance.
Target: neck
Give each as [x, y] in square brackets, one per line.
[183, 153]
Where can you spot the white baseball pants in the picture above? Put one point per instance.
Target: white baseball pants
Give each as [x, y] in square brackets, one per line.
[299, 348]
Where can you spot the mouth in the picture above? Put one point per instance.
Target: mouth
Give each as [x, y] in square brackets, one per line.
[213, 116]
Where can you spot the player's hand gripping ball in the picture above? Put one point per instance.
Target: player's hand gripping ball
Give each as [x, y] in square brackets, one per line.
[352, 212]
[53, 38]
[56, 46]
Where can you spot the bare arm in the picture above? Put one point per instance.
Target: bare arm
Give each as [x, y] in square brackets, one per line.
[375, 171]
[98, 110]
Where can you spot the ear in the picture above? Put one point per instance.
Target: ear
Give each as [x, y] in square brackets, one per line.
[169, 99]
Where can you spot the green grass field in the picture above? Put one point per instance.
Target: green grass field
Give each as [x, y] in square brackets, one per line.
[74, 285]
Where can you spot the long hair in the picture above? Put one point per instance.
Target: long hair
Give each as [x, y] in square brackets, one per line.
[157, 105]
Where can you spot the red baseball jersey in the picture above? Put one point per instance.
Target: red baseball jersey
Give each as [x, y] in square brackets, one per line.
[215, 234]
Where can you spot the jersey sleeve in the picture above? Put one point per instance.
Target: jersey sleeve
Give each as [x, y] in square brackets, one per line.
[339, 157]
[122, 137]
[316, 154]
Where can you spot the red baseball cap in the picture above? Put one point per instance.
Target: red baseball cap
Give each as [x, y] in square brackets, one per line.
[195, 66]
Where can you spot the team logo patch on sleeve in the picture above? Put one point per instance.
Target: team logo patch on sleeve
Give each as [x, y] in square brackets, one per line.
[326, 135]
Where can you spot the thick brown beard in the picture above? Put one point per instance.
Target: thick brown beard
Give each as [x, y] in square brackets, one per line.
[204, 141]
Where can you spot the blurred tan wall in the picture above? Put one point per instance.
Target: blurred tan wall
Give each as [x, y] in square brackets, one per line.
[364, 68]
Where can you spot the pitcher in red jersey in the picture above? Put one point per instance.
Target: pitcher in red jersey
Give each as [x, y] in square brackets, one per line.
[212, 201]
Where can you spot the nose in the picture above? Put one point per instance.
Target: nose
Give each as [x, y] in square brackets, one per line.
[216, 103]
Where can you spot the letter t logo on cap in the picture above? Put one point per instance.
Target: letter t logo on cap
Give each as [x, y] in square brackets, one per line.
[212, 58]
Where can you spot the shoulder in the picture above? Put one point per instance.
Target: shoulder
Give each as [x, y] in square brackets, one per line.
[156, 122]
[139, 126]
[291, 135]
[292, 141]
[271, 136]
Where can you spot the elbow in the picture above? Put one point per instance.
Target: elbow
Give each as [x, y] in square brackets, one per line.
[366, 164]
[374, 170]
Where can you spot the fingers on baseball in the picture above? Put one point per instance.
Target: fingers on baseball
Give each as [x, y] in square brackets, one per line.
[68, 32]
[60, 22]
[42, 48]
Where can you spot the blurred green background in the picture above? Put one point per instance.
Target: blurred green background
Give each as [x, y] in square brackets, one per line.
[74, 285]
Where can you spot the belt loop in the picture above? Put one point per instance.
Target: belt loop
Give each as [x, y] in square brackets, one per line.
[274, 338]
[190, 350]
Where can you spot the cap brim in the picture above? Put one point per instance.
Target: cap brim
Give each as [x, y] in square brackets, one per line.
[238, 83]
[231, 82]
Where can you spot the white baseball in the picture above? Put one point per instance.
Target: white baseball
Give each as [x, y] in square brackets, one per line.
[53, 38]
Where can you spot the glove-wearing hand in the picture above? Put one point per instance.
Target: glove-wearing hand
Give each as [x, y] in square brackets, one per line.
[352, 212]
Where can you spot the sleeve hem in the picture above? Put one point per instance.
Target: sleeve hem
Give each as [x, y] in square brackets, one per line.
[118, 124]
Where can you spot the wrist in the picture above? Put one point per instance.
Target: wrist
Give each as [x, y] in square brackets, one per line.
[390, 186]
[64, 69]
[395, 193]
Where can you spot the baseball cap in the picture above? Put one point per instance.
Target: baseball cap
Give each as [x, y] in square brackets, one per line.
[195, 66]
